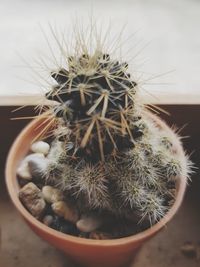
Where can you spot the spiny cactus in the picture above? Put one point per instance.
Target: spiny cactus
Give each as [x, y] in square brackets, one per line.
[98, 103]
[108, 153]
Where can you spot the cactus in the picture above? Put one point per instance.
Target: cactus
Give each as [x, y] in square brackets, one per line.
[108, 154]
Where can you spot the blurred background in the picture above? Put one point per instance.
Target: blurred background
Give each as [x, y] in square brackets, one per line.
[165, 37]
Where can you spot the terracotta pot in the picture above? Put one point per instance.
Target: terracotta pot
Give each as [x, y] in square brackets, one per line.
[94, 253]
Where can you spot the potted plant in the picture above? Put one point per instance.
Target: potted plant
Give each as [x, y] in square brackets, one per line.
[97, 174]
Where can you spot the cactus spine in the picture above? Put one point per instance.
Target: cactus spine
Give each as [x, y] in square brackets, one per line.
[108, 154]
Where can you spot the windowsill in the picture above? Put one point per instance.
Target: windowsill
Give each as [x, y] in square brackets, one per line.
[160, 99]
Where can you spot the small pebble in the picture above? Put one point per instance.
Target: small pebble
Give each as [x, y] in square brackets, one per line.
[31, 196]
[38, 167]
[89, 223]
[33, 156]
[56, 223]
[99, 236]
[69, 228]
[48, 220]
[40, 147]
[22, 182]
[51, 194]
[63, 210]
[23, 170]
[84, 235]
[63, 226]
[189, 250]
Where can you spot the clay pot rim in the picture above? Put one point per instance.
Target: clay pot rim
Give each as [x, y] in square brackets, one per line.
[139, 237]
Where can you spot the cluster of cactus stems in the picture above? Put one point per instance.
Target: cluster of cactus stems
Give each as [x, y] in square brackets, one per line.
[108, 155]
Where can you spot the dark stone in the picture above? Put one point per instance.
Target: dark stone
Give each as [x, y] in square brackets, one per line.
[56, 224]
[84, 235]
[68, 228]
[64, 226]
[22, 182]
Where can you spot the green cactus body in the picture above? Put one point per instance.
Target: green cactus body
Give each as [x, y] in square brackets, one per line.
[108, 154]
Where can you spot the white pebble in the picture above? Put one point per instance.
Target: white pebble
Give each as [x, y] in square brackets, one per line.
[51, 194]
[63, 210]
[33, 156]
[89, 223]
[47, 220]
[40, 147]
[38, 167]
[23, 170]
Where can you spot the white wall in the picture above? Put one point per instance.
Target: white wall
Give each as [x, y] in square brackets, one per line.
[170, 28]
